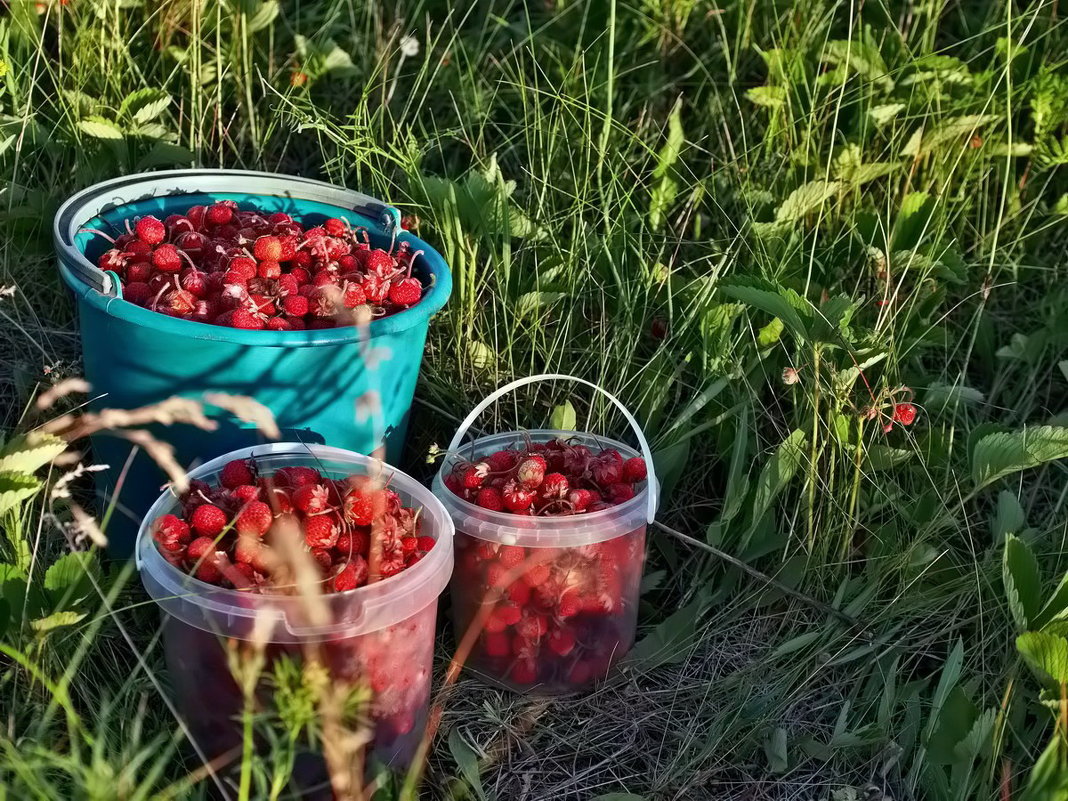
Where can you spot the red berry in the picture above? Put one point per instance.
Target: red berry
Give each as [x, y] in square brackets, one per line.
[208, 520]
[295, 305]
[267, 248]
[311, 498]
[580, 499]
[516, 497]
[905, 413]
[606, 471]
[244, 319]
[618, 493]
[511, 555]
[570, 605]
[320, 531]
[353, 295]
[497, 644]
[378, 262]
[268, 269]
[519, 592]
[531, 471]
[246, 493]
[171, 532]
[323, 558]
[218, 214]
[167, 259]
[634, 470]
[508, 613]
[254, 519]
[150, 230]
[406, 292]
[297, 476]
[502, 460]
[489, 498]
[251, 551]
[424, 543]
[236, 473]
[554, 486]
[496, 575]
[350, 575]
[561, 642]
[336, 227]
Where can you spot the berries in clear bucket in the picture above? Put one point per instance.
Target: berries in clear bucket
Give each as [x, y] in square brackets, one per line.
[550, 619]
[236, 532]
[249, 268]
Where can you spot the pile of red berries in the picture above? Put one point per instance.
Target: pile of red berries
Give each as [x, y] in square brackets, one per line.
[356, 531]
[249, 269]
[550, 478]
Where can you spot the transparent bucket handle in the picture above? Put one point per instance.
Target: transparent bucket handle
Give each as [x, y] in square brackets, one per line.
[652, 487]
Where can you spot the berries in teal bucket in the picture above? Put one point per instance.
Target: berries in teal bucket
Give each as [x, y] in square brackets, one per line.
[248, 270]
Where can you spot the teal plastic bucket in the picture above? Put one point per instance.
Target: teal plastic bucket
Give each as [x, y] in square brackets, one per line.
[342, 387]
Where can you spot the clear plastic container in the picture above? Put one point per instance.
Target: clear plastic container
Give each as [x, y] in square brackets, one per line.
[545, 604]
[379, 635]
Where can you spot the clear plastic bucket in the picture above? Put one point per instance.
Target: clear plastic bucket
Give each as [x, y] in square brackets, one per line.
[506, 561]
[379, 635]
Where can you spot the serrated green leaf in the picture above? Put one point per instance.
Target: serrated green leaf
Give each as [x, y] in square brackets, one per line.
[531, 302]
[56, 620]
[28, 453]
[977, 739]
[563, 417]
[807, 199]
[883, 114]
[1022, 580]
[771, 300]
[16, 488]
[1046, 654]
[860, 57]
[946, 132]
[71, 577]
[1003, 453]
[883, 457]
[767, 96]
[99, 128]
[941, 396]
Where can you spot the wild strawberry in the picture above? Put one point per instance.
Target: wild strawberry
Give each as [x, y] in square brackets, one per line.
[244, 267]
[424, 544]
[279, 217]
[298, 476]
[375, 287]
[246, 493]
[524, 671]
[267, 248]
[137, 292]
[497, 644]
[516, 497]
[150, 230]
[236, 473]
[208, 520]
[350, 575]
[619, 493]
[606, 471]
[503, 460]
[171, 532]
[634, 470]
[360, 507]
[511, 555]
[311, 499]
[268, 269]
[336, 227]
[473, 475]
[570, 605]
[242, 318]
[195, 283]
[254, 519]
[252, 551]
[295, 305]
[580, 499]
[508, 613]
[904, 413]
[496, 575]
[178, 302]
[408, 544]
[531, 471]
[323, 558]
[519, 592]
[378, 262]
[218, 214]
[406, 292]
[561, 642]
[353, 295]
[489, 498]
[320, 531]
[554, 486]
[200, 548]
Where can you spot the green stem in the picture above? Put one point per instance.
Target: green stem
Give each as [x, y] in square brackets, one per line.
[854, 492]
[813, 449]
[246, 750]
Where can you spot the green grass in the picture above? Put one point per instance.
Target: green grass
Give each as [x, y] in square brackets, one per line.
[873, 195]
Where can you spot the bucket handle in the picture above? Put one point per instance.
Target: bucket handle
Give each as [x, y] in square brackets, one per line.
[652, 487]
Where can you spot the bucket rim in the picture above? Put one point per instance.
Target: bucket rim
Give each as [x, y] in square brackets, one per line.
[73, 266]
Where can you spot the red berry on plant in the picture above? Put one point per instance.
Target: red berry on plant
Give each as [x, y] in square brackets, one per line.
[905, 413]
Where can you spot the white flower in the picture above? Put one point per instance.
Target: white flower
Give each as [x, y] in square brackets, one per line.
[409, 46]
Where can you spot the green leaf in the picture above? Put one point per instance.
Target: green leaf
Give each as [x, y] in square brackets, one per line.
[770, 299]
[1003, 453]
[666, 190]
[806, 199]
[669, 463]
[1046, 654]
[770, 333]
[1010, 517]
[56, 620]
[618, 797]
[860, 57]
[912, 221]
[883, 114]
[480, 354]
[946, 682]
[563, 417]
[531, 302]
[767, 96]
[776, 752]
[797, 643]
[264, 16]
[778, 472]
[942, 396]
[99, 128]
[30, 452]
[71, 577]
[883, 457]
[947, 132]
[16, 488]
[5, 617]
[1056, 608]
[467, 761]
[670, 641]
[145, 105]
[737, 484]
[1049, 777]
[956, 716]
[977, 739]
[1023, 582]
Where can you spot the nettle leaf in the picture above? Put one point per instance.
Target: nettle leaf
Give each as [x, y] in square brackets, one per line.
[768, 96]
[1003, 453]
[16, 488]
[807, 199]
[30, 452]
[1046, 654]
[563, 417]
[100, 128]
[1022, 580]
